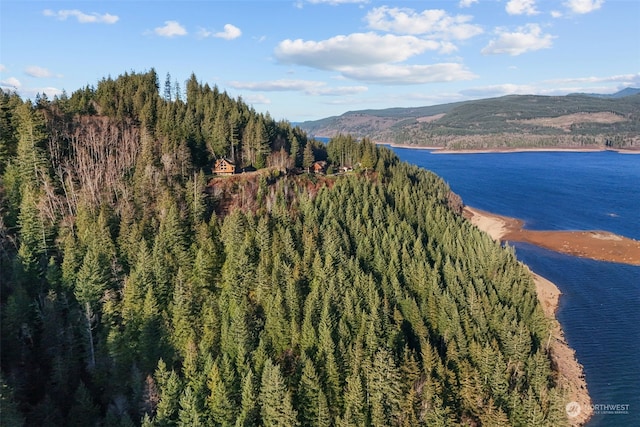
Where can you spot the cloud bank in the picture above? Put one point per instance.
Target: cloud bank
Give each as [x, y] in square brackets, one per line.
[81, 17]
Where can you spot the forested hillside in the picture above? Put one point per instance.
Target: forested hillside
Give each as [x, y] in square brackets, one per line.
[514, 121]
[136, 292]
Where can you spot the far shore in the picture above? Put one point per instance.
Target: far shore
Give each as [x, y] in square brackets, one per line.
[571, 377]
[443, 150]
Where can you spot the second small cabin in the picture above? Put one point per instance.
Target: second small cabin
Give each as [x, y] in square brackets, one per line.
[320, 167]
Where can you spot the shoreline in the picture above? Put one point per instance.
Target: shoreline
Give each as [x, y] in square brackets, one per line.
[570, 373]
[592, 244]
[499, 150]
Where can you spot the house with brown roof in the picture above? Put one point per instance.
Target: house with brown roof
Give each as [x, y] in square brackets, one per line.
[224, 166]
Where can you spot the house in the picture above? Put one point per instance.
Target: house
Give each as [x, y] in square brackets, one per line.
[224, 167]
[319, 167]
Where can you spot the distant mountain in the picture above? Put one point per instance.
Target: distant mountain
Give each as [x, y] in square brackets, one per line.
[513, 121]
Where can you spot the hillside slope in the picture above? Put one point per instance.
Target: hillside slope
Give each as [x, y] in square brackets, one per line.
[514, 121]
[135, 291]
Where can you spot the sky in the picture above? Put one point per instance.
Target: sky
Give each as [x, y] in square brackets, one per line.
[303, 60]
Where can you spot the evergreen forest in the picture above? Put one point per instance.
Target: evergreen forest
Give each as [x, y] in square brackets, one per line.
[139, 290]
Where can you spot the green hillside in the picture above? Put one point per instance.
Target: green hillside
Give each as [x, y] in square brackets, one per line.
[136, 289]
[514, 121]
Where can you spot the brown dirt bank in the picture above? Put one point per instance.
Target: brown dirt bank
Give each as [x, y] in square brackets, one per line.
[598, 245]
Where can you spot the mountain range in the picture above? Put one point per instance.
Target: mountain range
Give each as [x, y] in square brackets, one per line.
[577, 120]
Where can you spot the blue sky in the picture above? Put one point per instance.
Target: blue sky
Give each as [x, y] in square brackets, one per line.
[308, 59]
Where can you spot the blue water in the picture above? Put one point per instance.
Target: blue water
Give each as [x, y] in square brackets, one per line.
[600, 304]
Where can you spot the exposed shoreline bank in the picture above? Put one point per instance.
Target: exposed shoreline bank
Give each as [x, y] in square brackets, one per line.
[592, 244]
[570, 372]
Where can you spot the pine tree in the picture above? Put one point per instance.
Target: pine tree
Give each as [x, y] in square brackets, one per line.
[276, 406]
[312, 402]
[33, 234]
[170, 391]
[219, 402]
[249, 408]
[308, 157]
[190, 413]
[93, 279]
[30, 158]
[355, 413]
[84, 411]
[384, 390]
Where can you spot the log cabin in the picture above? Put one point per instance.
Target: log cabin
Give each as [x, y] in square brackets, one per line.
[224, 166]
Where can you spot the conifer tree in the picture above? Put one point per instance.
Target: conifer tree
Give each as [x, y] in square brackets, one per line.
[84, 411]
[312, 402]
[384, 390]
[308, 157]
[170, 390]
[276, 406]
[33, 233]
[249, 409]
[190, 414]
[220, 404]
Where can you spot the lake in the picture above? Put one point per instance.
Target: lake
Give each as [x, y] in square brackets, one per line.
[600, 304]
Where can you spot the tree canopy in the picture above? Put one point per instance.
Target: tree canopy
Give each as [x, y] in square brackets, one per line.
[138, 290]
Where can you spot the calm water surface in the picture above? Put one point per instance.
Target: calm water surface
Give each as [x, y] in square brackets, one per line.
[600, 303]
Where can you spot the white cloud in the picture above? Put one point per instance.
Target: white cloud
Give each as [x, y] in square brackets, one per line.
[38, 72]
[203, 33]
[521, 7]
[336, 2]
[526, 39]
[309, 87]
[559, 87]
[435, 22]
[358, 49]
[583, 6]
[257, 99]
[11, 83]
[622, 79]
[170, 29]
[338, 91]
[230, 32]
[556, 14]
[497, 90]
[49, 91]
[2, 68]
[466, 3]
[409, 74]
[81, 17]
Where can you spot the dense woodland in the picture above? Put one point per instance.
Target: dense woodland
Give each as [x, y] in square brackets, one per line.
[135, 294]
